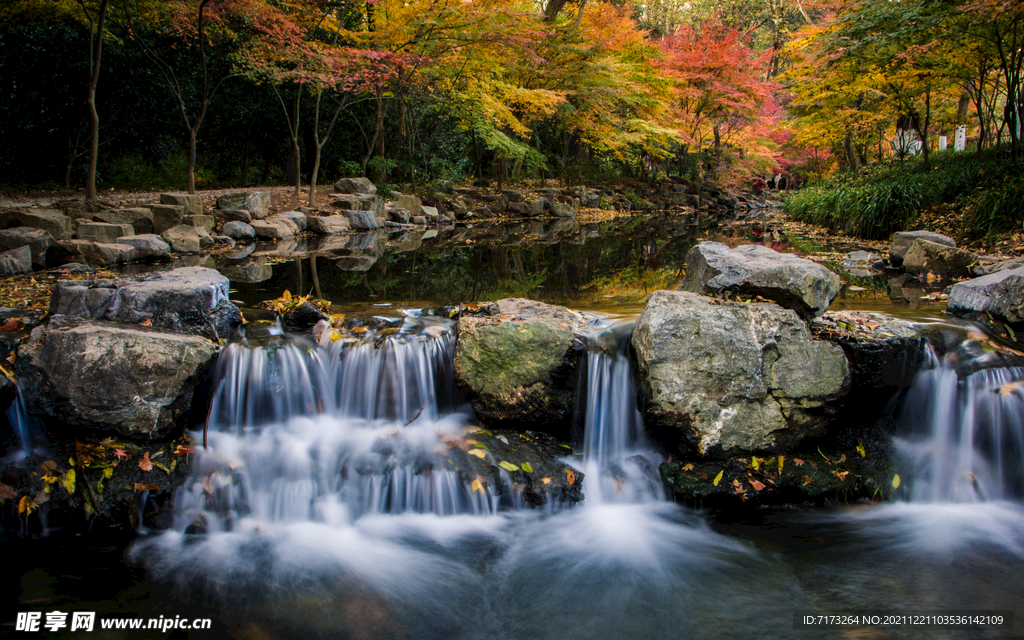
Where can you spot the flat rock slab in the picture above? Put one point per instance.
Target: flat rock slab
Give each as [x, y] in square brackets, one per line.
[362, 220]
[716, 376]
[1000, 293]
[58, 225]
[16, 261]
[189, 299]
[193, 204]
[148, 246]
[104, 231]
[141, 219]
[795, 283]
[134, 380]
[901, 241]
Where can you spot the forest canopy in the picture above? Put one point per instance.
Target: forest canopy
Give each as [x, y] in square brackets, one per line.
[180, 93]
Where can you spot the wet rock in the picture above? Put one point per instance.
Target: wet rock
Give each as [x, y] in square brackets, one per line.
[355, 185]
[902, 241]
[136, 381]
[327, 225]
[193, 204]
[189, 299]
[258, 270]
[58, 225]
[411, 204]
[95, 253]
[1000, 294]
[718, 376]
[430, 214]
[16, 261]
[362, 220]
[863, 263]
[925, 257]
[804, 286]
[182, 239]
[561, 210]
[239, 230]
[303, 317]
[519, 364]
[148, 246]
[38, 241]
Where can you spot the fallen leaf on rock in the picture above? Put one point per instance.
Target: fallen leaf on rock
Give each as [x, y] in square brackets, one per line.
[570, 477]
[757, 485]
[146, 487]
[479, 453]
[145, 463]
[841, 474]
[896, 481]
[508, 466]
[687, 467]
[808, 480]
[526, 467]
[478, 486]
[718, 478]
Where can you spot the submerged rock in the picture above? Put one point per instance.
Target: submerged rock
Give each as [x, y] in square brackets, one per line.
[719, 376]
[804, 286]
[519, 364]
[134, 380]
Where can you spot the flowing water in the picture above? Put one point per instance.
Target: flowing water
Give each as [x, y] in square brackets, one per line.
[323, 507]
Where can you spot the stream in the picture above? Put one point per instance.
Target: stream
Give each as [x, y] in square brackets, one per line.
[327, 506]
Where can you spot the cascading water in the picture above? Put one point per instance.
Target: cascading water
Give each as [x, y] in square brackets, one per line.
[330, 509]
[962, 435]
[618, 460]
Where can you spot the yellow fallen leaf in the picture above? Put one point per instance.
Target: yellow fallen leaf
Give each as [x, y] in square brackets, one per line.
[478, 486]
[755, 462]
[546, 480]
[860, 449]
[480, 453]
[25, 506]
[808, 480]
[508, 466]
[896, 481]
[688, 466]
[781, 461]
[69, 481]
[526, 467]
[718, 478]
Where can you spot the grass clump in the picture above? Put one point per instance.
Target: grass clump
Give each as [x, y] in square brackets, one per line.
[984, 190]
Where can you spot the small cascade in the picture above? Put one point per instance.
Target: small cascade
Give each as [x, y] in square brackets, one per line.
[26, 440]
[617, 456]
[962, 436]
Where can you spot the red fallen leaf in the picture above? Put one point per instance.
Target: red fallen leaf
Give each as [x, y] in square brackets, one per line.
[798, 462]
[570, 477]
[841, 474]
[12, 324]
[146, 487]
[145, 464]
[146, 323]
[182, 449]
[757, 485]
[121, 453]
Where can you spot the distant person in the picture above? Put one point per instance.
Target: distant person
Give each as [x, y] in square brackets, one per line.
[758, 186]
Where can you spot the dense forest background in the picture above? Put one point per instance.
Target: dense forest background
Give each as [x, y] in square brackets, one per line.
[204, 93]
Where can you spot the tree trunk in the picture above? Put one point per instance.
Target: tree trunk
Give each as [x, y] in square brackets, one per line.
[192, 160]
[852, 162]
[94, 116]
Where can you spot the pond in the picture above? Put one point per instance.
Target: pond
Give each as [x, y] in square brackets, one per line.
[317, 513]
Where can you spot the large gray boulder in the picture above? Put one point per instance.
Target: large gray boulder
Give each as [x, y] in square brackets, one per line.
[238, 230]
[362, 220]
[924, 257]
[725, 376]
[519, 364]
[327, 225]
[1000, 293]
[104, 231]
[902, 240]
[135, 381]
[189, 299]
[182, 239]
[755, 270]
[96, 253]
[148, 246]
[166, 216]
[355, 185]
[37, 240]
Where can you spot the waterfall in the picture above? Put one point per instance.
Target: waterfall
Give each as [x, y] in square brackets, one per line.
[620, 464]
[962, 436]
[18, 418]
